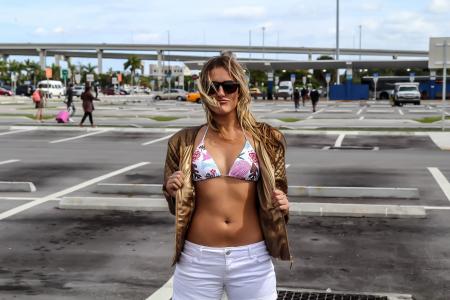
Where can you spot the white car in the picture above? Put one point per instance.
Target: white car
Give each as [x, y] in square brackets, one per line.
[78, 90]
[175, 94]
[406, 93]
[53, 88]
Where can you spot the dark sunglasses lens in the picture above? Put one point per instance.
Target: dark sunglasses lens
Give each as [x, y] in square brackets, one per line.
[213, 88]
[230, 87]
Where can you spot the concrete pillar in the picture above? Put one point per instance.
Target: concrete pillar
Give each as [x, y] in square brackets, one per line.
[160, 69]
[5, 57]
[57, 60]
[42, 58]
[309, 56]
[99, 61]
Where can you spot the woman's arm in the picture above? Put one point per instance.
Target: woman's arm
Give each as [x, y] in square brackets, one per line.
[171, 166]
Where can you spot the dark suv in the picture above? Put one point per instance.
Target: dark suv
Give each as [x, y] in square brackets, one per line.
[25, 90]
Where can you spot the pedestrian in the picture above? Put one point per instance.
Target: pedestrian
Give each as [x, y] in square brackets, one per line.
[88, 105]
[225, 181]
[296, 99]
[69, 103]
[38, 98]
[304, 93]
[314, 98]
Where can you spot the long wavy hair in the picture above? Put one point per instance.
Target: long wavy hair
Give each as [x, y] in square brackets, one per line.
[237, 73]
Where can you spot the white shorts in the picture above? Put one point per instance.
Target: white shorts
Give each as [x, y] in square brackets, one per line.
[244, 273]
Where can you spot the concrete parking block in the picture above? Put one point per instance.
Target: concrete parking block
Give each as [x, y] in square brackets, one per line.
[353, 192]
[15, 186]
[357, 210]
[114, 203]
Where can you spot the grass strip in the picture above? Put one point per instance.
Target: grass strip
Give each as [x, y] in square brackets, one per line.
[164, 118]
[289, 120]
[431, 119]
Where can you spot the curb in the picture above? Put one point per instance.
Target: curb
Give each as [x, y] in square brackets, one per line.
[123, 204]
[353, 192]
[297, 209]
[357, 210]
[14, 186]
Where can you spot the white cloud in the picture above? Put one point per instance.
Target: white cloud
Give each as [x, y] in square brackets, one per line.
[58, 30]
[371, 6]
[439, 6]
[40, 31]
[146, 37]
[245, 12]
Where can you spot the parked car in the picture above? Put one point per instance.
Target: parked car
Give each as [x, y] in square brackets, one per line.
[255, 92]
[25, 90]
[78, 90]
[54, 88]
[193, 96]
[177, 94]
[406, 93]
[5, 92]
[285, 90]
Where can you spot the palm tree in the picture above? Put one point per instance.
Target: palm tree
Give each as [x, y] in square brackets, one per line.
[16, 67]
[133, 63]
[32, 68]
[87, 69]
[73, 71]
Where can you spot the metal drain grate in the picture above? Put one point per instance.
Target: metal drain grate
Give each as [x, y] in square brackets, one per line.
[292, 295]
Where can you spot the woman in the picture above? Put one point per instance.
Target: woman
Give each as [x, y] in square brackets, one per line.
[88, 105]
[225, 182]
[39, 100]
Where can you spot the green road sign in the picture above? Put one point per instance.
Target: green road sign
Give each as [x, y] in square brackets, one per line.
[65, 74]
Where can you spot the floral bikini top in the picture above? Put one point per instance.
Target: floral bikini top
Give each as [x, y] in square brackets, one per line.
[245, 167]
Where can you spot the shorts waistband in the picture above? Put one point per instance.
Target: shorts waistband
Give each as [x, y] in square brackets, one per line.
[257, 249]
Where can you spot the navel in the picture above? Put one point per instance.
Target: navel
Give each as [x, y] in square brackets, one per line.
[227, 221]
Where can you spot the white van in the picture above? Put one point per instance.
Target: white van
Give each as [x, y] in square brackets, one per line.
[285, 90]
[54, 88]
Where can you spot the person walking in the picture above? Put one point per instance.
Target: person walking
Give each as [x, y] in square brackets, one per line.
[304, 93]
[225, 181]
[296, 99]
[314, 98]
[96, 91]
[38, 98]
[69, 103]
[88, 105]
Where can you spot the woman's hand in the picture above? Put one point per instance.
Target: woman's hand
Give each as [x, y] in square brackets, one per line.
[280, 200]
[174, 183]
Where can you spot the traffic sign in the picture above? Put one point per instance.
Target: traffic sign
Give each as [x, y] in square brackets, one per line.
[65, 74]
[292, 78]
[412, 76]
[328, 77]
[375, 77]
[119, 77]
[89, 77]
[77, 78]
[304, 80]
[114, 80]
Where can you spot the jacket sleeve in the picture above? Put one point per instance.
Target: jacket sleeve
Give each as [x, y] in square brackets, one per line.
[280, 166]
[171, 165]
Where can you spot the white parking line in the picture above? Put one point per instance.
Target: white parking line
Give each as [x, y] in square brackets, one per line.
[339, 140]
[287, 166]
[441, 180]
[362, 118]
[401, 112]
[157, 140]
[309, 118]
[59, 194]
[9, 161]
[359, 112]
[79, 136]
[17, 131]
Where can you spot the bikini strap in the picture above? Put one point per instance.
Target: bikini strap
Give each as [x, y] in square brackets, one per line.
[204, 135]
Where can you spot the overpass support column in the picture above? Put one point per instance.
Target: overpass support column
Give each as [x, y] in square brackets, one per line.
[57, 60]
[99, 61]
[42, 58]
[5, 57]
[309, 56]
[160, 70]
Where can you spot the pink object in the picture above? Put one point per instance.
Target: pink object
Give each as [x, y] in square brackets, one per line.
[62, 116]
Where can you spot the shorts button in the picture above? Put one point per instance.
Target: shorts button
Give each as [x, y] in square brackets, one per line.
[228, 252]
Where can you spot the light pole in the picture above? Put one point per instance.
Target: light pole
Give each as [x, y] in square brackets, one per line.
[250, 43]
[169, 71]
[263, 29]
[360, 39]
[338, 81]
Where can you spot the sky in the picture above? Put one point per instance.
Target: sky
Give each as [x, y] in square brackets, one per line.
[386, 24]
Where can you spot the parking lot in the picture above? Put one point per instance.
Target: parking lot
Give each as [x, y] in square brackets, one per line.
[53, 253]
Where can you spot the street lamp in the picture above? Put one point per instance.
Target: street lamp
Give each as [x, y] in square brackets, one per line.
[337, 40]
[360, 39]
[263, 30]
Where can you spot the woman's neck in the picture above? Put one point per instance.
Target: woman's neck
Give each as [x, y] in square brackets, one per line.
[227, 125]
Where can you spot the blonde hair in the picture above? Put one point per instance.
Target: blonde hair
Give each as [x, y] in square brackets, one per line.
[237, 73]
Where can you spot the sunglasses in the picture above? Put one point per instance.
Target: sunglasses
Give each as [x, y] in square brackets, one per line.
[228, 87]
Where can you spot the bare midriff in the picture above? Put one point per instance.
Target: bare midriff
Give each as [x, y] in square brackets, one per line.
[225, 213]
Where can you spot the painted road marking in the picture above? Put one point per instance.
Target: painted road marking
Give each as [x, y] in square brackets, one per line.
[59, 194]
[164, 292]
[309, 118]
[362, 118]
[359, 112]
[9, 161]
[79, 136]
[339, 140]
[17, 131]
[20, 198]
[288, 165]
[319, 111]
[157, 140]
[401, 112]
[441, 180]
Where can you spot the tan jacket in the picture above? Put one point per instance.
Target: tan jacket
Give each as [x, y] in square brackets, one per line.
[272, 175]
